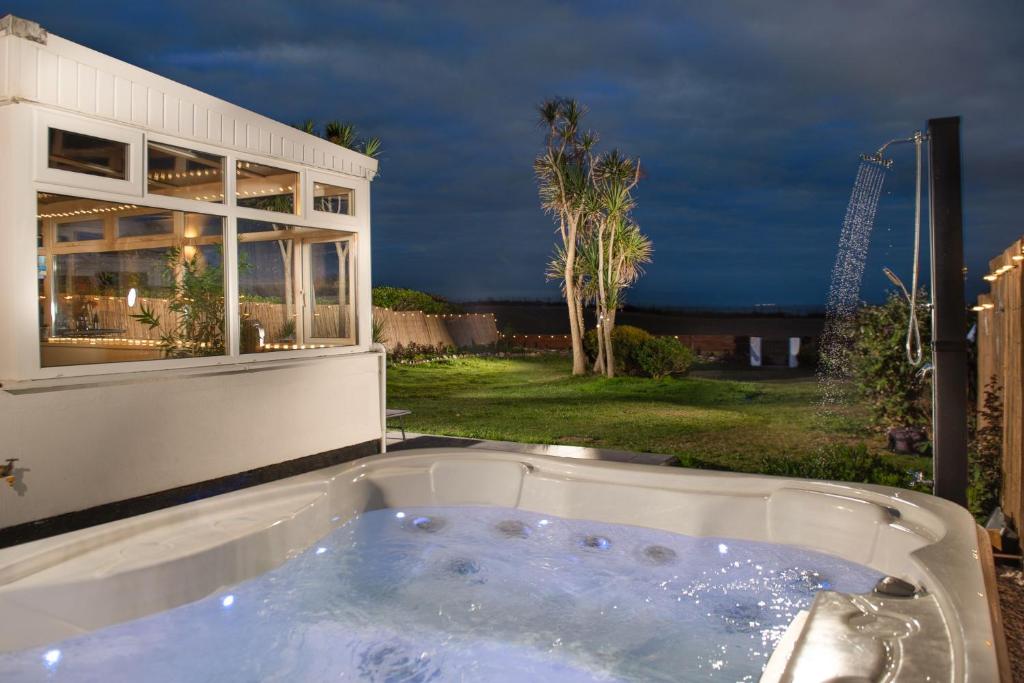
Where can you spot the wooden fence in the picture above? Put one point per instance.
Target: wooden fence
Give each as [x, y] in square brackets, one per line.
[1000, 355]
[460, 330]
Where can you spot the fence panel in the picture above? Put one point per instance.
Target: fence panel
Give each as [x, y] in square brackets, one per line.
[1000, 355]
[428, 329]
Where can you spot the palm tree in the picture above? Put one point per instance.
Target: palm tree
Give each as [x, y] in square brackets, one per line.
[563, 172]
[345, 135]
[615, 176]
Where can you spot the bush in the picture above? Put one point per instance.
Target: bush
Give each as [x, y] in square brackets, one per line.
[885, 379]
[626, 342]
[590, 346]
[417, 353]
[398, 299]
[984, 455]
[838, 462]
[659, 357]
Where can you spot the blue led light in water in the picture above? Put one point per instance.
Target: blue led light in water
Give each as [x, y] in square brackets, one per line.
[228, 600]
[400, 515]
[52, 658]
[723, 548]
[321, 550]
[544, 522]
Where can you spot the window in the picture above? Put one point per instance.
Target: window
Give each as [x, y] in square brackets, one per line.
[294, 287]
[178, 172]
[120, 282]
[332, 199]
[80, 231]
[86, 154]
[267, 188]
[330, 289]
[148, 224]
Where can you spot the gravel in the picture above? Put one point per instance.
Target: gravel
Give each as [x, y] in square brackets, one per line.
[1011, 599]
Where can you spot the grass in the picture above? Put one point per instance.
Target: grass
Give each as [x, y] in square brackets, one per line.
[723, 419]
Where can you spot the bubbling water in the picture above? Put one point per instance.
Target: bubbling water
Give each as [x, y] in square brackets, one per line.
[431, 595]
[847, 275]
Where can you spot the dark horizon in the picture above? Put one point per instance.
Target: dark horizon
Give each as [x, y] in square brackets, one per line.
[749, 120]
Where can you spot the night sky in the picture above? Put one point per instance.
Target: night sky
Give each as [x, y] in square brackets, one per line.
[747, 116]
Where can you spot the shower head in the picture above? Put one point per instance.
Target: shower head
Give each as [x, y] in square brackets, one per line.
[879, 156]
[895, 279]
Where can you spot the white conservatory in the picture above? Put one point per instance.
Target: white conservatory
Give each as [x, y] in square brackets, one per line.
[186, 288]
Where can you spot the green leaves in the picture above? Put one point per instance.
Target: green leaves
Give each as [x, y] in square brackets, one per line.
[884, 378]
[147, 317]
[194, 325]
[343, 134]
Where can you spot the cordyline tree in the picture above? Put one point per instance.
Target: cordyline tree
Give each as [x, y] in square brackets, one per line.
[601, 250]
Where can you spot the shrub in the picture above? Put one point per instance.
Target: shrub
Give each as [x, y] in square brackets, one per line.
[627, 341]
[398, 299]
[590, 345]
[887, 382]
[418, 353]
[659, 357]
[984, 456]
[839, 462]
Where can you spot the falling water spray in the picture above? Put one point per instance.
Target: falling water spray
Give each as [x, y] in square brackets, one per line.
[847, 274]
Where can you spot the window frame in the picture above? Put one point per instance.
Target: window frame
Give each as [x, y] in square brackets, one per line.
[111, 242]
[297, 197]
[134, 185]
[351, 220]
[27, 366]
[301, 285]
[191, 146]
[309, 304]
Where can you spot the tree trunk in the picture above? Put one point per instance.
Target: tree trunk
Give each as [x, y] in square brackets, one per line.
[286, 247]
[606, 329]
[579, 358]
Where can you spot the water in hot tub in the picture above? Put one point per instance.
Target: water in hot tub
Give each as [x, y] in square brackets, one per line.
[473, 594]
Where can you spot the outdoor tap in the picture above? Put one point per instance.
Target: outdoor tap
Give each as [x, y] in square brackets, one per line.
[7, 472]
[925, 370]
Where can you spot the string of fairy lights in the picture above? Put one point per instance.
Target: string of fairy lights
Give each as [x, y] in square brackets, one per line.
[1015, 262]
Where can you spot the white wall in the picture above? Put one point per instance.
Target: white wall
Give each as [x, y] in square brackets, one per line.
[98, 442]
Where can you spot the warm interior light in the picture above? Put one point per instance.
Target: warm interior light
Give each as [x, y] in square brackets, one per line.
[988, 305]
[977, 308]
[991, 277]
[1018, 257]
[133, 294]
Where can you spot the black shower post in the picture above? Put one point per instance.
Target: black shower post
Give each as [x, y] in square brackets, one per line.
[949, 320]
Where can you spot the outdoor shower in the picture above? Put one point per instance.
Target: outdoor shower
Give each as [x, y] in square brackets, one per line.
[949, 347]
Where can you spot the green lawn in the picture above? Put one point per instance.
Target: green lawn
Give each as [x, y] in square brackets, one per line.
[715, 418]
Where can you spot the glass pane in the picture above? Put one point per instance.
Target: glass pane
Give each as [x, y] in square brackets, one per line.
[80, 231]
[247, 226]
[330, 298]
[332, 199]
[203, 225]
[146, 224]
[87, 154]
[178, 172]
[105, 305]
[265, 187]
[266, 290]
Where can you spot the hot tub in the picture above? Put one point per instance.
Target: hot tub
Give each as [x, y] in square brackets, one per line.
[934, 623]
